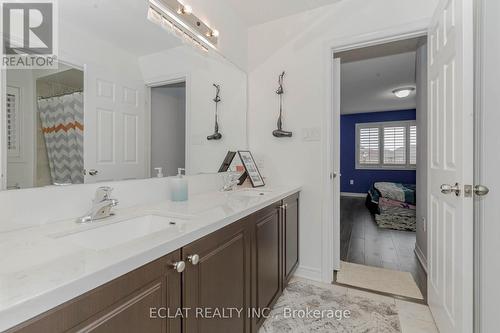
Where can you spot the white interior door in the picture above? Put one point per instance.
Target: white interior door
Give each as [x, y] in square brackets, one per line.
[450, 149]
[335, 176]
[114, 135]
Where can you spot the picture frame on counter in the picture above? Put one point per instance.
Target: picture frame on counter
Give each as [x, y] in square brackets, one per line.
[251, 168]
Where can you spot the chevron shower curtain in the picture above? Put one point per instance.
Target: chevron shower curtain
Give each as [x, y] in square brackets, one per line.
[62, 125]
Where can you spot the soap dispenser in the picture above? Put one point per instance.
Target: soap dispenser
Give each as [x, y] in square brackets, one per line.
[179, 186]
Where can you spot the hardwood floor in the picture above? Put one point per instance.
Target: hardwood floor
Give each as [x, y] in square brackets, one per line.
[363, 242]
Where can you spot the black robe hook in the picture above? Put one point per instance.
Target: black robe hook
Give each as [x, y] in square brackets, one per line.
[280, 133]
[217, 99]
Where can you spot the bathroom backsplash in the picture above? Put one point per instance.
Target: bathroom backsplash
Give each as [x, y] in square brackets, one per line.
[30, 207]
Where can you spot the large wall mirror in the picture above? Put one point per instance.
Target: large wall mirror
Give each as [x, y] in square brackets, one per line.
[127, 100]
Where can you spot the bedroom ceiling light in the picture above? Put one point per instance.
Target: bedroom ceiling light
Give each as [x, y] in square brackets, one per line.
[403, 92]
[179, 19]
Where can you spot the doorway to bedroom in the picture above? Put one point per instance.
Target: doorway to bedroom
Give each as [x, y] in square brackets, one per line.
[382, 164]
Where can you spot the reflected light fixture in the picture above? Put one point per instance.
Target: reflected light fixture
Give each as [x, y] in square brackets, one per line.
[178, 18]
[185, 9]
[403, 92]
[213, 33]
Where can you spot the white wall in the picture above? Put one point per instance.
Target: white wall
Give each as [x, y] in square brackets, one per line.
[233, 38]
[421, 71]
[168, 129]
[202, 70]
[298, 45]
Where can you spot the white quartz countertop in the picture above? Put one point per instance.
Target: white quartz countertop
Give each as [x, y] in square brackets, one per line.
[40, 269]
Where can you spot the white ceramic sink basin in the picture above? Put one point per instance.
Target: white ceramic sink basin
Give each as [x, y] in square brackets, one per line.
[120, 232]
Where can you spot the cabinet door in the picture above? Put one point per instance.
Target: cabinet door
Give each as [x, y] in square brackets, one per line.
[219, 281]
[122, 305]
[267, 254]
[132, 314]
[290, 236]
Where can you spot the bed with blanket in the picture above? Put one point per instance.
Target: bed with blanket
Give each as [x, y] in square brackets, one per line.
[393, 205]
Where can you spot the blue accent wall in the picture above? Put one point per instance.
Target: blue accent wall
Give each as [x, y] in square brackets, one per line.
[363, 179]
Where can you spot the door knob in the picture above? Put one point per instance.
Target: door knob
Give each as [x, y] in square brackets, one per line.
[447, 189]
[179, 266]
[93, 172]
[194, 259]
[481, 190]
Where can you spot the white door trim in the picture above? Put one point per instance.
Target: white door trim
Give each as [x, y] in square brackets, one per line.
[162, 81]
[330, 258]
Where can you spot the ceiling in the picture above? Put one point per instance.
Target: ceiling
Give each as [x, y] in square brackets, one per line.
[260, 11]
[124, 25]
[367, 85]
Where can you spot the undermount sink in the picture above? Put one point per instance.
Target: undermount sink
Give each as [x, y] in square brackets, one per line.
[120, 232]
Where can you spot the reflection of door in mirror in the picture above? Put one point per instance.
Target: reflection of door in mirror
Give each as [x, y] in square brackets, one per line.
[168, 128]
[44, 127]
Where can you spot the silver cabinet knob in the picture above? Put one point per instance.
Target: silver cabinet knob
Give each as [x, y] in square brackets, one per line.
[179, 266]
[481, 190]
[194, 259]
[447, 189]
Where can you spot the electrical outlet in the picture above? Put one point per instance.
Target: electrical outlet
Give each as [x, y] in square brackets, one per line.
[311, 134]
[351, 182]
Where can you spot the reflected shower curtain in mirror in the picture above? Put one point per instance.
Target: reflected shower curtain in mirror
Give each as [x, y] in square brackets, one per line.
[62, 125]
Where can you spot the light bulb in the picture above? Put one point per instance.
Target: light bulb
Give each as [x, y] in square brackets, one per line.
[403, 92]
[185, 9]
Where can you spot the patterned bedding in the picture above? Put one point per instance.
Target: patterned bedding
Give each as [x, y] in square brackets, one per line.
[393, 191]
[396, 215]
[393, 205]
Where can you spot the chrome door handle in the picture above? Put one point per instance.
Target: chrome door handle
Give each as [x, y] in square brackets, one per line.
[481, 190]
[334, 175]
[447, 189]
[91, 172]
[179, 266]
[194, 259]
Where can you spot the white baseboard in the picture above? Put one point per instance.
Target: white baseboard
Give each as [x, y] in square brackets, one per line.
[356, 195]
[308, 273]
[421, 257]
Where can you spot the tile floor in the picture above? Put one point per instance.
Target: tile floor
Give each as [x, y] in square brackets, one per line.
[413, 317]
[363, 242]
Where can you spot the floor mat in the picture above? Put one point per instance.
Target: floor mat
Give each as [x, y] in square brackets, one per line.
[378, 279]
[366, 315]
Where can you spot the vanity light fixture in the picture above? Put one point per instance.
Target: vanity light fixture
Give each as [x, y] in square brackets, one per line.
[403, 92]
[179, 19]
[213, 33]
[185, 9]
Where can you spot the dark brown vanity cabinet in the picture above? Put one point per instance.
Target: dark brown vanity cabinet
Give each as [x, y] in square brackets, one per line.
[217, 278]
[219, 283]
[121, 305]
[267, 259]
[290, 213]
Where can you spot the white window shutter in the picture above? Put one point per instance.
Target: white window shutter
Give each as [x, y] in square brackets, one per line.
[369, 146]
[395, 145]
[413, 145]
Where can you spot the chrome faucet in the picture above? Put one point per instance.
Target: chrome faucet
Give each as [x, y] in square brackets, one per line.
[101, 206]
